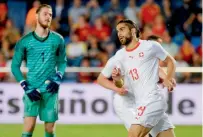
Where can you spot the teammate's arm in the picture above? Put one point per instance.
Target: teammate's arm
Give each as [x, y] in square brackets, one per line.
[18, 57]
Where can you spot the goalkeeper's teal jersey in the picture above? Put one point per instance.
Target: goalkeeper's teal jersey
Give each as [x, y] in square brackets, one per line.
[43, 56]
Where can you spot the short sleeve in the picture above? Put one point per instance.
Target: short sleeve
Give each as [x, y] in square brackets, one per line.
[107, 70]
[159, 51]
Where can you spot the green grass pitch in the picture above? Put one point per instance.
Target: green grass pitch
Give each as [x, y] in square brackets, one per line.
[14, 130]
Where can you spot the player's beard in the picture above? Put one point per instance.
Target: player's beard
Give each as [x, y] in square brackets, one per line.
[126, 40]
[43, 25]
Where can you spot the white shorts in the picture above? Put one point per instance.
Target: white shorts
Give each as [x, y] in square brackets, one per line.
[123, 106]
[150, 115]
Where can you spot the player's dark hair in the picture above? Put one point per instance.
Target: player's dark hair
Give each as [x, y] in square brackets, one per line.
[131, 25]
[153, 37]
[43, 6]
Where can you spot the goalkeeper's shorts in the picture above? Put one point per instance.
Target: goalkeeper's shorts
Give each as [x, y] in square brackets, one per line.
[46, 108]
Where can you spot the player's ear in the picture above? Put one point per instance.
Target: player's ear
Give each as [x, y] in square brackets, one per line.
[133, 31]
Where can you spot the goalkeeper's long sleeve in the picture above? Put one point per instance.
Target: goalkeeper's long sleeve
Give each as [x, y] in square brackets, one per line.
[17, 60]
[61, 61]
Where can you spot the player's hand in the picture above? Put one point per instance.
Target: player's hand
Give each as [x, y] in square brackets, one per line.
[34, 95]
[121, 91]
[52, 87]
[116, 74]
[173, 82]
[54, 83]
[169, 83]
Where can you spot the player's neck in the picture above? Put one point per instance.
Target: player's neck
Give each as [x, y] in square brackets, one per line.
[132, 45]
[41, 32]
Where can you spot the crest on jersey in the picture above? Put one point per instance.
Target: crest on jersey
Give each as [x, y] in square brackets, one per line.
[141, 54]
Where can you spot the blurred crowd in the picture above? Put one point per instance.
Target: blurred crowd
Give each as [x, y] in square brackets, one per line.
[88, 27]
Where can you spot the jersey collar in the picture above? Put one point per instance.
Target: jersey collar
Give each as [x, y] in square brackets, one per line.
[136, 46]
[40, 38]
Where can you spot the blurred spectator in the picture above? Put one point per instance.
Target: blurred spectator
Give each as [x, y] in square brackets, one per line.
[196, 62]
[100, 30]
[75, 11]
[146, 31]
[97, 55]
[195, 20]
[82, 28]
[132, 12]
[5, 48]
[109, 47]
[94, 10]
[11, 33]
[118, 18]
[197, 24]
[199, 50]
[95, 52]
[3, 18]
[58, 8]
[31, 18]
[55, 25]
[187, 51]
[182, 77]
[2, 64]
[75, 51]
[171, 47]
[166, 10]
[94, 49]
[159, 26]
[113, 9]
[85, 77]
[181, 14]
[149, 10]
[60, 20]
[4, 11]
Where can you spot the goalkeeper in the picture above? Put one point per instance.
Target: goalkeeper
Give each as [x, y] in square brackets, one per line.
[44, 53]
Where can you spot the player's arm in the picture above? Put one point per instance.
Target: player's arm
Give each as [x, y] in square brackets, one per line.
[171, 67]
[103, 79]
[18, 57]
[161, 54]
[53, 83]
[117, 78]
[106, 83]
[162, 73]
[61, 60]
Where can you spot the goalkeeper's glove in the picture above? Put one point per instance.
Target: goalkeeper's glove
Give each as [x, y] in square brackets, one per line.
[53, 83]
[33, 95]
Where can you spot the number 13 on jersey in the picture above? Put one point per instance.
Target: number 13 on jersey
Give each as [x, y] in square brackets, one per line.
[134, 74]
